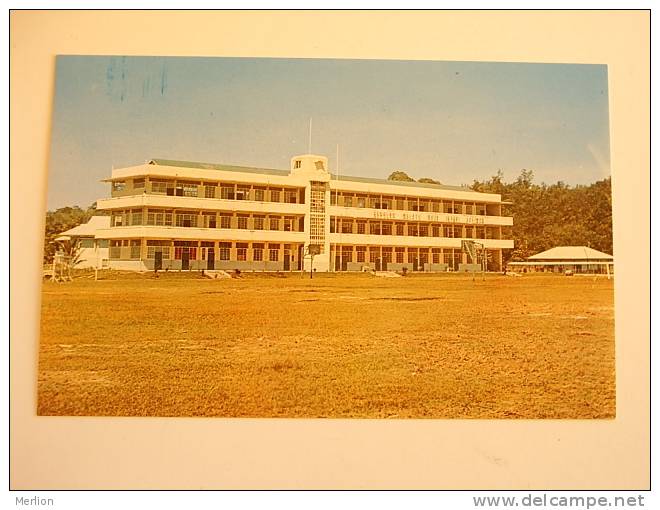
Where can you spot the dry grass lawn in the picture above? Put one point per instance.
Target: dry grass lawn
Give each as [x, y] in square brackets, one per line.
[424, 346]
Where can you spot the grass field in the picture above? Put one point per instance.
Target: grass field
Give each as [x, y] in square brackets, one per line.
[424, 346]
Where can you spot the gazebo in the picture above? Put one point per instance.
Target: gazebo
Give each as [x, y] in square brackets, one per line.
[567, 259]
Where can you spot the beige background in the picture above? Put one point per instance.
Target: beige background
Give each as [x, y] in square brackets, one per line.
[55, 452]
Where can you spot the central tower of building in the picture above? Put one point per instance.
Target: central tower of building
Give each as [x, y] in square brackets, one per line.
[314, 169]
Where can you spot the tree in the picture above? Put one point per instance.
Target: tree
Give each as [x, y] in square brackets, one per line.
[398, 175]
[428, 180]
[60, 220]
[545, 216]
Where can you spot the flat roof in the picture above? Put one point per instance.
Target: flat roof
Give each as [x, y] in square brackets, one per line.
[274, 171]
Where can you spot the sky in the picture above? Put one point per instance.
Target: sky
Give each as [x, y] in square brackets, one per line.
[451, 121]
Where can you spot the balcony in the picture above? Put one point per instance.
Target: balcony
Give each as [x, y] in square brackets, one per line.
[196, 203]
[211, 234]
[414, 241]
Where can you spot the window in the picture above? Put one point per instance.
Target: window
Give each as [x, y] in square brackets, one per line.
[209, 190]
[258, 223]
[115, 249]
[288, 224]
[159, 187]
[189, 247]
[224, 251]
[436, 206]
[186, 220]
[138, 183]
[117, 220]
[190, 190]
[154, 247]
[347, 226]
[436, 231]
[257, 252]
[333, 198]
[386, 229]
[400, 229]
[87, 243]
[400, 204]
[136, 217]
[242, 222]
[413, 229]
[290, 196]
[225, 221]
[319, 165]
[227, 191]
[423, 230]
[209, 220]
[274, 195]
[241, 251]
[259, 195]
[361, 201]
[348, 201]
[274, 223]
[243, 193]
[118, 185]
[468, 208]
[361, 227]
[297, 163]
[436, 255]
[135, 249]
[399, 255]
[273, 252]
[374, 228]
[159, 217]
[361, 250]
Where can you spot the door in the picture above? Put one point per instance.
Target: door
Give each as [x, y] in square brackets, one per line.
[287, 260]
[158, 261]
[185, 259]
[377, 263]
[300, 257]
[210, 258]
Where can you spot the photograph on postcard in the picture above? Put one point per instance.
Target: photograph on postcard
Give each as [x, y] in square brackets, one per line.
[327, 238]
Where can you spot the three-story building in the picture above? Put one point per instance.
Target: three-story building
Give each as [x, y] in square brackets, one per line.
[182, 215]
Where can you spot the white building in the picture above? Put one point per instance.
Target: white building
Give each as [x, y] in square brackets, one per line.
[181, 215]
[93, 250]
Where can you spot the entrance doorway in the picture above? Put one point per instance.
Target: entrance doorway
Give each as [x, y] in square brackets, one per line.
[287, 260]
[158, 261]
[210, 258]
[185, 259]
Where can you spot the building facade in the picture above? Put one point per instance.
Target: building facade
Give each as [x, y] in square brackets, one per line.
[176, 215]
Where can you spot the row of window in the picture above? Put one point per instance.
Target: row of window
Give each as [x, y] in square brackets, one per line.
[131, 249]
[227, 191]
[413, 229]
[371, 201]
[399, 255]
[231, 191]
[169, 218]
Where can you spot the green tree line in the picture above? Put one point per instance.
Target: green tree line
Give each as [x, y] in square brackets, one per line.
[549, 215]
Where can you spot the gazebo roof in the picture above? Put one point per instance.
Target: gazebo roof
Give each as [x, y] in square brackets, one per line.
[571, 253]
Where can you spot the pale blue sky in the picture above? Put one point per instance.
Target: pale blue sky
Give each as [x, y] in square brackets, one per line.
[451, 121]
